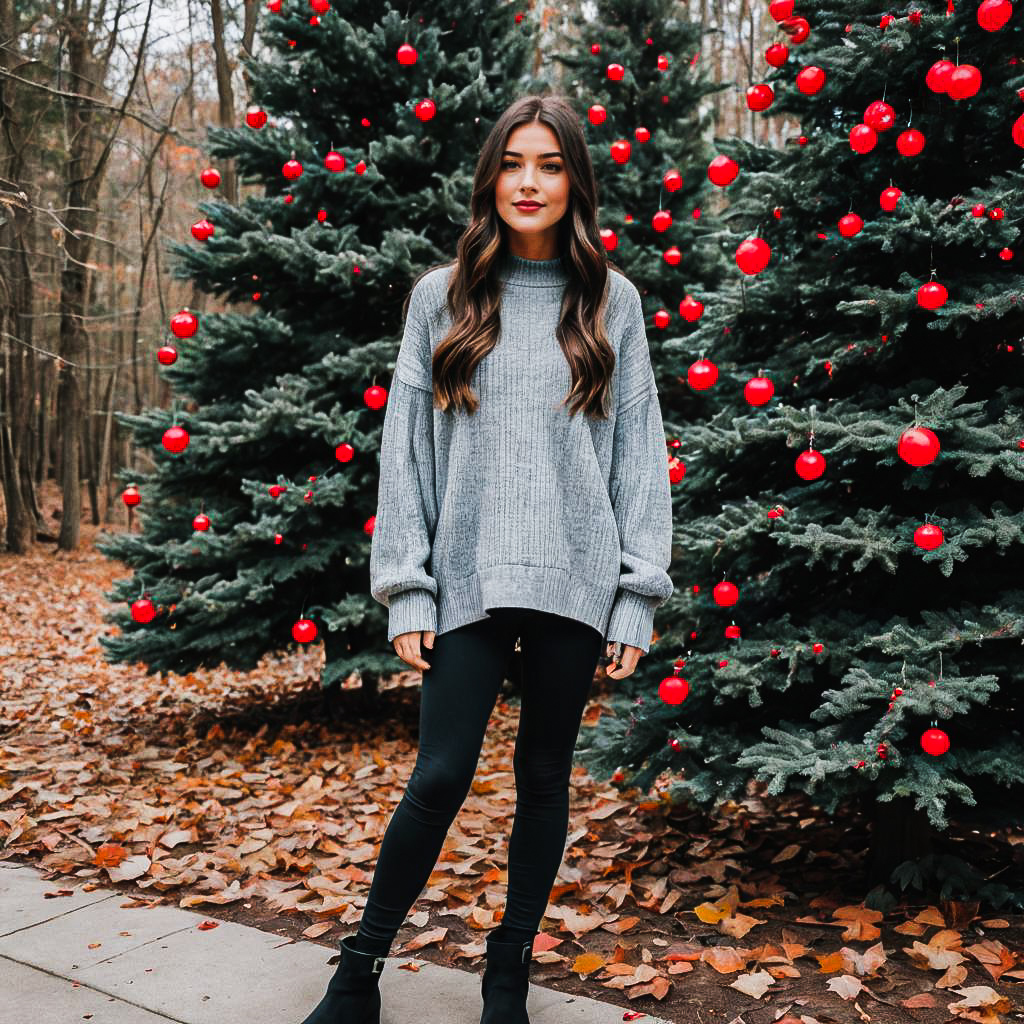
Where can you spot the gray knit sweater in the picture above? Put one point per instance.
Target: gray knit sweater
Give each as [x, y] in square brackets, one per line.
[519, 505]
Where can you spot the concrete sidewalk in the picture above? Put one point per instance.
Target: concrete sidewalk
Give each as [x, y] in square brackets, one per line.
[154, 965]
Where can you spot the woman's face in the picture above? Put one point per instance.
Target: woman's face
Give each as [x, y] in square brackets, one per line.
[532, 168]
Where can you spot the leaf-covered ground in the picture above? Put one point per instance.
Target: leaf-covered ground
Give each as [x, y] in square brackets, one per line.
[235, 794]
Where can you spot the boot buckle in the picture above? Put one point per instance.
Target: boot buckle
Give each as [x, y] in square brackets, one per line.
[378, 964]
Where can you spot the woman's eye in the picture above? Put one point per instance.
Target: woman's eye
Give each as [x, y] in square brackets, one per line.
[511, 163]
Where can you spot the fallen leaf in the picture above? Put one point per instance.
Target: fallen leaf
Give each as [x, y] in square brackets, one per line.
[846, 986]
[755, 984]
[724, 959]
[860, 922]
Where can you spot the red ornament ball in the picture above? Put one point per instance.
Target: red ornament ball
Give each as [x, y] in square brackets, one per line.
[130, 496]
[425, 109]
[672, 180]
[255, 117]
[810, 465]
[304, 631]
[597, 114]
[143, 611]
[910, 142]
[811, 80]
[880, 116]
[752, 256]
[722, 171]
[702, 375]
[202, 230]
[760, 97]
[889, 198]
[175, 440]
[201, 522]
[406, 54]
[210, 177]
[937, 78]
[661, 221]
[928, 537]
[167, 355]
[184, 324]
[932, 295]
[334, 161]
[918, 446]
[934, 742]
[344, 452]
[863, 138]
[616, 72]
[609, 239]
[691, 309]
[672, 256]
[375, 396]
[777, 54]
[291, 169]
[780, 10]
[673, 690]
[964, 82]
[758, 390]
[732, 632]
[726, 594]
[994, 14]
[850, 225]
[620, 150]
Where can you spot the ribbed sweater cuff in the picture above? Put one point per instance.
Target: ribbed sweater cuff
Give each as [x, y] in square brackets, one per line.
[411, 610]
[632, 620]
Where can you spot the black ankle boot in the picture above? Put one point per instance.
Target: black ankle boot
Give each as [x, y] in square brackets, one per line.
[352, 995]
[506, 981]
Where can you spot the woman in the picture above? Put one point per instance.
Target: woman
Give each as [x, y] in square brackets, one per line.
[523, 457]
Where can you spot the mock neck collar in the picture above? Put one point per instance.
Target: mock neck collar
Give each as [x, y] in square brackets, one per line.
[532, 273]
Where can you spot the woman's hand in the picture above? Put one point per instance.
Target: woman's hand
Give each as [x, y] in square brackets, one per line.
[407, 647]
[626, 663]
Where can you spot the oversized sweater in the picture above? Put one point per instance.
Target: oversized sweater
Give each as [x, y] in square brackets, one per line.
[519, 505]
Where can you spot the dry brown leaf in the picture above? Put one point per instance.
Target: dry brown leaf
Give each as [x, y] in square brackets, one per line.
[783, 971]
[956, 975]
[994, 957]
[755, 984]
[931, 915]
[724, 959]
[787, 854]
[658, 987]
[921, 1001]
[587, 963]
[980, 997]
[933, 958]
[830, 962]
[738, 926]
[860, 922]
[846, 986]
[866, 963]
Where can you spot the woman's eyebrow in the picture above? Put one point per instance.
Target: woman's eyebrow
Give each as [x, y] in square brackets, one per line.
[511, 152]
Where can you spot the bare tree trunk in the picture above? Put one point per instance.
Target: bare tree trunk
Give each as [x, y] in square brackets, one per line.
[16, 299]
[225, 98]
[84, 172]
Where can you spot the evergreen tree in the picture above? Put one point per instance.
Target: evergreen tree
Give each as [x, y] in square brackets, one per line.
[276, 395]
[860, 626]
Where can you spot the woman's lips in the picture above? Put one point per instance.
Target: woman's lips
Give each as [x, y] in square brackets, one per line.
[527, 207]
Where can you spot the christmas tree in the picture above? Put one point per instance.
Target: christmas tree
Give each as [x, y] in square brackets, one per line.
[848, 615]
[256, 521]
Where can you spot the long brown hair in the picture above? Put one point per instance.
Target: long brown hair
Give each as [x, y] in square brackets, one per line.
[474, 290]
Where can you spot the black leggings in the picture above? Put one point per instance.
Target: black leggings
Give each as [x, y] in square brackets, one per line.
[467, 665]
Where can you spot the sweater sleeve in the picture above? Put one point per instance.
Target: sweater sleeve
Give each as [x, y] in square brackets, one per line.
[406, 505]
[640, 492]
